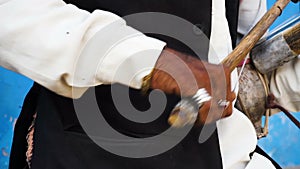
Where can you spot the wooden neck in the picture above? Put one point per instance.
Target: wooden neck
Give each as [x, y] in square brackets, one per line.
[248, 42]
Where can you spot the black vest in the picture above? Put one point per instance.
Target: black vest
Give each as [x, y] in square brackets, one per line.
[60, 142]
[196, 12]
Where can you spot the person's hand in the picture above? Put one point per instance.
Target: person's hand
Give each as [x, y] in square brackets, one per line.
[181, 74]
[220, 105]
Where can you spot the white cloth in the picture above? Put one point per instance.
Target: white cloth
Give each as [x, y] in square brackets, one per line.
[61, 46]
[250, 11]
[284, 84]
[259, 160]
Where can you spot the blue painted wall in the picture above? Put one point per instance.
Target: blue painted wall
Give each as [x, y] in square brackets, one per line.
[13, 88]
[283, 142]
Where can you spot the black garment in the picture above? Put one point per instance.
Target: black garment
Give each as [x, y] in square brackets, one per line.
[78, 142]
[19, 146]
[194, 11]
[60, 142]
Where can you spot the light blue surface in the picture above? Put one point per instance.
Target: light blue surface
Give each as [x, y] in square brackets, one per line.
[283, 142]
[13, 88]
[290, 10]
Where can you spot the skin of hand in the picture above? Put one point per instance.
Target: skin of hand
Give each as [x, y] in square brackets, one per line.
[181, 74]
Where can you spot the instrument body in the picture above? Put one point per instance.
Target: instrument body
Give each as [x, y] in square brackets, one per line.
[279, 47]
[252, 98]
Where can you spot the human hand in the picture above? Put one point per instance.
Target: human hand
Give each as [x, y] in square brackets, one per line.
[181, 74]
[220, 105]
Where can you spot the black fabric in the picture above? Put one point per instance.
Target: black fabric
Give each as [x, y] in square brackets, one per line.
[19, 146]
[194, 11]
[60, 143]
[232, 8]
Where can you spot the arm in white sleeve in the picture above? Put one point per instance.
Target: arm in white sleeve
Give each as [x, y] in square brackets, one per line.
[67, 49]
[250, 12]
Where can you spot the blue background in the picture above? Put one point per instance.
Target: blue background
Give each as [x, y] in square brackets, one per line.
[282, 143]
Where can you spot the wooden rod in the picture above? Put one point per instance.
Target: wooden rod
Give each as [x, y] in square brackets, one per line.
[248, 42]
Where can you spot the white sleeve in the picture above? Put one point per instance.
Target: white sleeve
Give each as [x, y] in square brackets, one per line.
[237, 139]
[67, 49]
[250, 11]
[259, 161]
[284, 84]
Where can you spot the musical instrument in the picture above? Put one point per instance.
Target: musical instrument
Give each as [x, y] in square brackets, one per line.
[232, 60]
